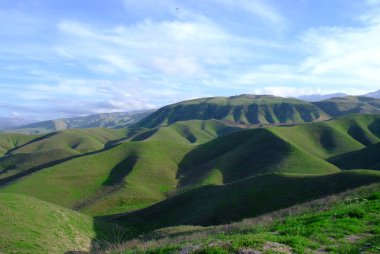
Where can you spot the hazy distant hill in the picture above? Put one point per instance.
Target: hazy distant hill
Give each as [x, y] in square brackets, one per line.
[320, 97]
[340, 106]
[10, 122]
[106, 120]
[374, 94]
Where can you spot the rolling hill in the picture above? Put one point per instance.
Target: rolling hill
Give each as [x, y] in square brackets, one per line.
[29, 225]
[106, 120]
[28, 153]
[340, 106]
[249, 197]
[343, 223]
[191, 154]
[242, 109]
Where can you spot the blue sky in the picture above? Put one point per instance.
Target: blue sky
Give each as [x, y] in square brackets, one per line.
[67, 58]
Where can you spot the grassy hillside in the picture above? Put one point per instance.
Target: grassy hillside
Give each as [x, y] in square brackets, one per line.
[124, 177]
[243, 109]
[344, 223]
[244, 154]
[331, 138]
[13, 140]
[368, 157]
[106, 120]
[29, 225]
[179, 157]
[340, 106]
[35, 152]
[249, 197]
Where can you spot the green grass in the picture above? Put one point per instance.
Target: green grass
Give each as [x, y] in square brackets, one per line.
[331, 138]
[348, 105]
[167, 162]
[345, 223]
[40, 151]
[367, 157]
[10, 141]
[84, 182]
[29, 225]
[212, 205]
[243, 109]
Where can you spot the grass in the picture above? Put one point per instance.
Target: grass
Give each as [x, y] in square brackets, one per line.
[136, 174]
[85, 181]
[212, 205]
[10, 141]
[243, 109]
[43, 150]
[367, 157]
[348, 105]
[29, 225]
[344, 223]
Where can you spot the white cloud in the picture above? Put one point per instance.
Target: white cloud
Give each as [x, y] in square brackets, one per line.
[260, 8]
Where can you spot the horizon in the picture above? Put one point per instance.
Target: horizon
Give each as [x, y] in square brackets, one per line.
[68, 59]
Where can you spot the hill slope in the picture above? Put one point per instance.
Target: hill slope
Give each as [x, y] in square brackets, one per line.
[243, 109]
[340, 106]
[138, 173]
[211, 205]
[28, 153]
[368, 157]
[29, 225]
[344, 223]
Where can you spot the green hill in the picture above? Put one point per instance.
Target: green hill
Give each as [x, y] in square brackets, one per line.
[187, 155]
[331, 138]
[243, 109]
[212, 205]
[344, 223]
[12, 140]
[29, 225]
[340, 106]
[28, 153]
[368, 157]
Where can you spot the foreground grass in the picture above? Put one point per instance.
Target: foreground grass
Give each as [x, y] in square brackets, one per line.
[29, 225]
[346, 223]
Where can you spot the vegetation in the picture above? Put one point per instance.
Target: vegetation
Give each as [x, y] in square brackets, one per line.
[46, 150]
[340, 106]
[243, 109]
[192, 165]
[29, 225]
[344, 223]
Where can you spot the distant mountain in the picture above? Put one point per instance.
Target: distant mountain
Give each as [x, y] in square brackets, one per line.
[374, 94]
[106, 120]
[242, 109]
[320, 97]
[9, 122]
[340, 106]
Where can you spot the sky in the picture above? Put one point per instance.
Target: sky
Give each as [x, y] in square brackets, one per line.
[76, 57]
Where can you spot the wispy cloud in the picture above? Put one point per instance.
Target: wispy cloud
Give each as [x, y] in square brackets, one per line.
[260, 8]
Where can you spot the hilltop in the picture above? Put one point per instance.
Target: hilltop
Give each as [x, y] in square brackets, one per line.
[259, 110]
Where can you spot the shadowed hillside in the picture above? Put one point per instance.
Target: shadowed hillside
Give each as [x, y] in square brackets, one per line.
[340, 106]
[211, 205]
[243, 109]
[137, 173]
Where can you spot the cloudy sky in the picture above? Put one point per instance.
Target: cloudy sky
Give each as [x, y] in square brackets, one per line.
[74, 57]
